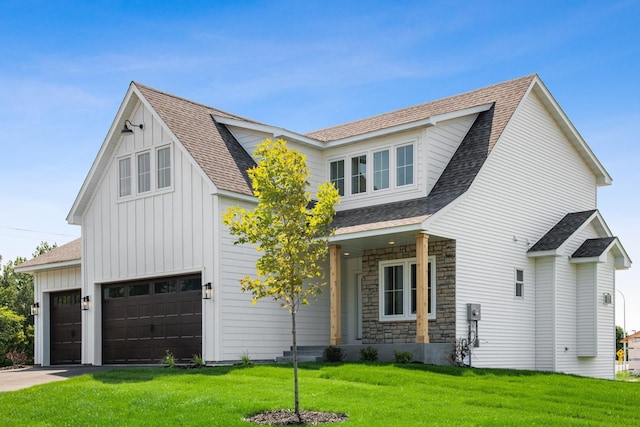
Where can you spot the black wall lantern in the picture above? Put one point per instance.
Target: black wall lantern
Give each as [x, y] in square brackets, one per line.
[127, 130]
[35, 308]
[207, 291]
[85, 302]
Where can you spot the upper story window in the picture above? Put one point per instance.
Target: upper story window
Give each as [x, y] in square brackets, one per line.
[381, 170]
[404, 161]
[144, 172]
[385, 167]
[164, 167]
[336, 175]
[398, 283]
[359, 174]
[124, 177]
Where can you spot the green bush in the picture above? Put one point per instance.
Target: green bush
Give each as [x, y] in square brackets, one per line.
[403, 356]
[197, 361]
[368, 354]
[334, 354]
[168, 360]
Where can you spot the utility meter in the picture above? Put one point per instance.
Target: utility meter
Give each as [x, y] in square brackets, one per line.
[473, 312]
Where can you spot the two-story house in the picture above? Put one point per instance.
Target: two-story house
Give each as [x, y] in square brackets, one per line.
[471, 217]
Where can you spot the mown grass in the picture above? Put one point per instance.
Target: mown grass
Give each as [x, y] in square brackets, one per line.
[370, 394]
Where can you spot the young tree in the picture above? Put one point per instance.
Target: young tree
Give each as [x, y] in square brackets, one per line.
[288, 229]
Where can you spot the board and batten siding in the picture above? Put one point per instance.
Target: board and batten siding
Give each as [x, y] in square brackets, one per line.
[161, 232]
[532, 178]
[262, 331]
[44, 283]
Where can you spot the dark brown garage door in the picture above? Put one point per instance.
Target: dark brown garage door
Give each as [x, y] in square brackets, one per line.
[66, 327]
[142, 320]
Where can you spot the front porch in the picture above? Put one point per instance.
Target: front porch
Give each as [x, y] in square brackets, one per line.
[391, 290]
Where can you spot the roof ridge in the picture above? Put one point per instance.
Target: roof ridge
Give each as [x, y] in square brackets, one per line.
[423, 104]
[199, 104]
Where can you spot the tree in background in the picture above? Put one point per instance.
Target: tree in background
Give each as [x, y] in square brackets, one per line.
[16, 297]
[290, 233]
[619, 336]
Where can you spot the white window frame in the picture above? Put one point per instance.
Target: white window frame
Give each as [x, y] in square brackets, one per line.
[149, 172]
[406, 264]
[121, 177]
[359, 175]
[344, 178]
[518, 283]
[157, 168]
[413, 164]
[388, 170]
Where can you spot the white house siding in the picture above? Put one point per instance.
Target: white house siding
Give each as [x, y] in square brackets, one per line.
[45, 282]
[249, 140]
[442, 142]
[532, 178]
[162, 232]
[544, 313]
[261, 330]
[586, 315]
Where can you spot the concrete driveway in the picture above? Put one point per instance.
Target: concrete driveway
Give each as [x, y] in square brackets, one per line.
[16, 379]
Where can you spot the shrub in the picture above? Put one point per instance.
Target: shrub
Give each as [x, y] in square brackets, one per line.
[168, 360]
[197, 361]
[368, 354]
[17, 358]
[246, 360]
[334, 354]
[403, 356]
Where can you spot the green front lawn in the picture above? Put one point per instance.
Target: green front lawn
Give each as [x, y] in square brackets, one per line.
[370, 394]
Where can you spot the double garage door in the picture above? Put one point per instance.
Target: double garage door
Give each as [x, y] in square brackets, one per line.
[142, 320]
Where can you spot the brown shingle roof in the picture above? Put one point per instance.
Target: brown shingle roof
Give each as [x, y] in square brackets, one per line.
[506, 97]
[67, 252]
[211, 145]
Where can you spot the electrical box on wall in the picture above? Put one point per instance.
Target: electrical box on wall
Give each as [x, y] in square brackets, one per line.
[473, 312]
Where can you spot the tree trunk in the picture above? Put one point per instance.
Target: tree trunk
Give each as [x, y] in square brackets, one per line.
[295, 365]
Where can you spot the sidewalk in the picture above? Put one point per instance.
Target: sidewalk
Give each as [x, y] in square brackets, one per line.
[16, 379]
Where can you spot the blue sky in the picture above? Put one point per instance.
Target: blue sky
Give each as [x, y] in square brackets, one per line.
[302, 65]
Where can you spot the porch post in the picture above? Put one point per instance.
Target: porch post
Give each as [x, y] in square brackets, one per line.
[422, 294]
[334, 290]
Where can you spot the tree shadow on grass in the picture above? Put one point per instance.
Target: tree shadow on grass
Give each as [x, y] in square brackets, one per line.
[144, 374]
[461, 371]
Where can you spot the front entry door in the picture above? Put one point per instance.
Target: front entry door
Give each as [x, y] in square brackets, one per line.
[66, 327]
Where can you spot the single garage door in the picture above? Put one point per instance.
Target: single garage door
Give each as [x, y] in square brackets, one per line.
[66, 327]
[142, 320]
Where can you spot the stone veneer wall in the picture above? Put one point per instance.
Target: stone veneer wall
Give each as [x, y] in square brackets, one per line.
[442, 328]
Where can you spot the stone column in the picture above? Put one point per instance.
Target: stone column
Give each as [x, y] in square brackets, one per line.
[422, 291]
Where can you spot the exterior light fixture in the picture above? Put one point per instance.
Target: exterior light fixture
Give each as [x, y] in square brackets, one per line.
[85, 302]
[606, 298]
[391, 242]
[35, 308]
[126, 130]
[207, 291]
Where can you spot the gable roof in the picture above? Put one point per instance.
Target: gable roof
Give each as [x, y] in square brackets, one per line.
[210, 144]
[461, 170]
[560, 232]
[591, 248]
[61, 256]
[633, 336]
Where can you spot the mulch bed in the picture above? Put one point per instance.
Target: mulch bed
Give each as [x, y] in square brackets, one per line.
[283, 417]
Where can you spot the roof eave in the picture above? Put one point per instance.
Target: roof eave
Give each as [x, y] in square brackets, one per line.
[275, 132]
[426, 122]
[48, 266]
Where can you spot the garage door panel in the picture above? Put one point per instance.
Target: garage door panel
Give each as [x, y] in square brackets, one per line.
[65, 327]
[141, 320]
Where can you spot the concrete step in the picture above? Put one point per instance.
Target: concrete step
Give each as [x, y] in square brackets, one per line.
[289, 359]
